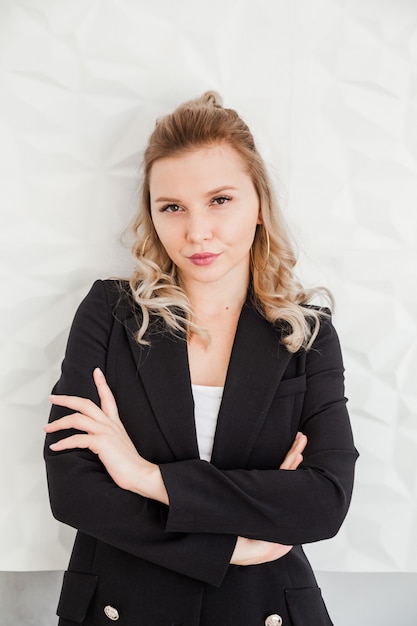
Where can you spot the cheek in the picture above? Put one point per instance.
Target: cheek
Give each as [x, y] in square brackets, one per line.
[159, 228]
[244, 231]
[167, 236]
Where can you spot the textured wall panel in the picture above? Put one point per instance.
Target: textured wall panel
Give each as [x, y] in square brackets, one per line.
[330, 90]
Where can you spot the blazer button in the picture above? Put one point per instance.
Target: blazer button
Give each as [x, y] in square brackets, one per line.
[273, 620]
[111, 613]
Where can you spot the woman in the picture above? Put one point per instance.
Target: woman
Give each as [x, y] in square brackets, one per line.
[199, 432]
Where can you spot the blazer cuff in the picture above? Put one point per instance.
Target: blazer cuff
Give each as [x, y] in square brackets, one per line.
[212, 556]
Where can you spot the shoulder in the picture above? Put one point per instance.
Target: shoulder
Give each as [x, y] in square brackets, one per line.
[325, 350]
[110, 292]
[107, 301]
[319, 318]
[111, 288]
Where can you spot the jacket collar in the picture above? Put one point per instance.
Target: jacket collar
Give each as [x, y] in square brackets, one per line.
[256, 366]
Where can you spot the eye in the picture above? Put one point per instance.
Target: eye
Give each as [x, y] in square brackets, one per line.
[171, 208]
[221, 200]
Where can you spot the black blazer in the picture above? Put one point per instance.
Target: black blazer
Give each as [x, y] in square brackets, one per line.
[155, 565]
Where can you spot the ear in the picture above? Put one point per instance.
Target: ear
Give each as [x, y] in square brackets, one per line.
[259, 220]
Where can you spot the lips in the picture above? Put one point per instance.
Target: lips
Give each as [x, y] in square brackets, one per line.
[203, 258]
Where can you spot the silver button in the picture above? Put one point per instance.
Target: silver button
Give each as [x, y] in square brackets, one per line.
[111, 613]
[273, 620]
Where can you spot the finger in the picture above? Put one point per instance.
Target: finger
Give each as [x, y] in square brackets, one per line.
[294, 462]
[108, 403]
[288, 464]
[74, 420]
[79, 405]
[294, 456]
[69, 443]
[300, 442]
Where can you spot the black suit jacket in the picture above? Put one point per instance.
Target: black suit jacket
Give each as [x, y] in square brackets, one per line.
[169, 566]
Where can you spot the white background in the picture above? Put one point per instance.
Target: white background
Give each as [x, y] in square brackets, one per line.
[329, 88]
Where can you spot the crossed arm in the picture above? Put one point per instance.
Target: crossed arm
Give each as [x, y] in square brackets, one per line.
[103, 433]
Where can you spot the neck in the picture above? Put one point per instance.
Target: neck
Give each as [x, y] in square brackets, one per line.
[211, 300]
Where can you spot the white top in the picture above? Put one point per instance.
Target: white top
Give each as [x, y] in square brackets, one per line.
[206, 409]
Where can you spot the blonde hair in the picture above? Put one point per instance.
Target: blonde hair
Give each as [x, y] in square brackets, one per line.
[154, 284]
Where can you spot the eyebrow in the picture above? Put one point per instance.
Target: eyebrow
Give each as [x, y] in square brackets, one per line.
[213, 192]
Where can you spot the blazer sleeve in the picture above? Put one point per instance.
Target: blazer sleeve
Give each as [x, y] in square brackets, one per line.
[82, 493]
[289, 507]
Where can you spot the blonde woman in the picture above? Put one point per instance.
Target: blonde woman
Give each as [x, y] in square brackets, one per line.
[199, 433]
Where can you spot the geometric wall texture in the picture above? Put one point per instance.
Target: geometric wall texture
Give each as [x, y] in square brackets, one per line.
[329, 88]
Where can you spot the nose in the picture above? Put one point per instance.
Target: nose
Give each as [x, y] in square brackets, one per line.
[198, 227]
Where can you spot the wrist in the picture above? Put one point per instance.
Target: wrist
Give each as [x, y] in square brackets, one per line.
[149, 483]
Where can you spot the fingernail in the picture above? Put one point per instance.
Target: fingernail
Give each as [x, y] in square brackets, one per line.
[98, 371]
[298, 436]
[53, 446]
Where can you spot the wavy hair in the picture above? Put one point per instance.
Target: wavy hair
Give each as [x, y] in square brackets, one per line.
[154, 283]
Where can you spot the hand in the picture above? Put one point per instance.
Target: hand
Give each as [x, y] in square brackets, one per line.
[294, 456]
[104, 434]
[256, 551]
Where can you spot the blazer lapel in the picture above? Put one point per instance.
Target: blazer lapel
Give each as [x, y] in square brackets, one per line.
[163, 369]
[257, 363]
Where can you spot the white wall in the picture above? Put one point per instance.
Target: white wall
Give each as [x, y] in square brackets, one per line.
[329, 88]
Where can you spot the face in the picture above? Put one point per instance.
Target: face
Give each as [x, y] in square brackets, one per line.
[205, 209]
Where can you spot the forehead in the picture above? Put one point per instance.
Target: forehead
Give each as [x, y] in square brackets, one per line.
[218, 161]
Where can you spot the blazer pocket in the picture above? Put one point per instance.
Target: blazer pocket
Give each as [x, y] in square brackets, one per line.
[306, 607]
[77, 592]
[291, 386]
